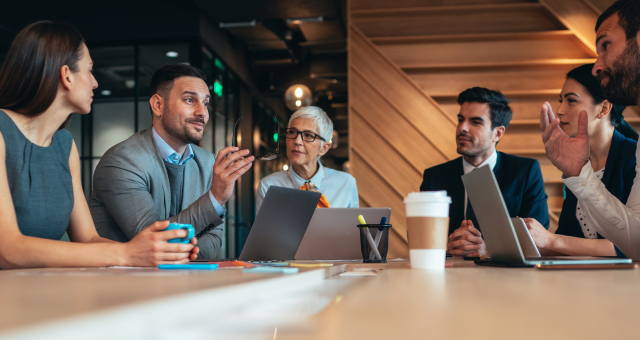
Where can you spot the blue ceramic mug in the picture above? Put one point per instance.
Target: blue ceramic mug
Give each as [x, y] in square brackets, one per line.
[188, 227]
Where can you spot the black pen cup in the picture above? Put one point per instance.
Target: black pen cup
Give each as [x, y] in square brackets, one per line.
[374, 242]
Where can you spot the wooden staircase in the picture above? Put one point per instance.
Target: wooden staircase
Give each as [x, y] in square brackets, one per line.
[409, 60]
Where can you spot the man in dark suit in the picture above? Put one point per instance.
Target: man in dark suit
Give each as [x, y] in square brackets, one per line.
[482, 121]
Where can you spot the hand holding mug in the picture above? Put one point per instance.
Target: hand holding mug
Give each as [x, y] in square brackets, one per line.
[151, 247]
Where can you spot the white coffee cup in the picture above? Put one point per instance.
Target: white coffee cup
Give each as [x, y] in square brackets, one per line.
[427, 228]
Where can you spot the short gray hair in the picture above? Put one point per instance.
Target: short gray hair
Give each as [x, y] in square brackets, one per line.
[320, 118]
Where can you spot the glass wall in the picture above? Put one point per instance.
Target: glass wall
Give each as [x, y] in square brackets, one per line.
[121, 106]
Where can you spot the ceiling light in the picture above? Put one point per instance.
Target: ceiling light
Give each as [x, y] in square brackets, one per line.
[297, 96]
[285, 167]
[105, 92]
[172, 54]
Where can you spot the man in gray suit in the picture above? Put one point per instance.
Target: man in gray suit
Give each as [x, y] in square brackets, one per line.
[159, 173]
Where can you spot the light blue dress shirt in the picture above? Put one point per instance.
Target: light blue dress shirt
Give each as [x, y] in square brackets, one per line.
[338, 187]
[171, 156]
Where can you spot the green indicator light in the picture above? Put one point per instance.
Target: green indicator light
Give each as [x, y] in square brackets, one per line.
[217, 89]
[275, 119]
[275, 137]
[219, 64]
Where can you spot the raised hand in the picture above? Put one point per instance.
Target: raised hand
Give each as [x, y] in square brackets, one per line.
[229, 166]
[568, 154]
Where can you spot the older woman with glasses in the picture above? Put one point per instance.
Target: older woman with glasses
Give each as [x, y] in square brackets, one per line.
[308, 138]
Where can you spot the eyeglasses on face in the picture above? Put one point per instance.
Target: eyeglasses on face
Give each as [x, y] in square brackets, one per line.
[307, 136]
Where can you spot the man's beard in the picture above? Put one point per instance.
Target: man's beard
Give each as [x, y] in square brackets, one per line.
[181, 131]
[623, 87]
[474, 150]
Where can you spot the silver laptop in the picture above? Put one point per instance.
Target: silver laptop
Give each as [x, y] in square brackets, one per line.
[280, 225]
[333, 234]
[498, 230]
[527, 244]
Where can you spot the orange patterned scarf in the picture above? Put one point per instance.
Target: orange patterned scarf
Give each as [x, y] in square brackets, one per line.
[309, 186]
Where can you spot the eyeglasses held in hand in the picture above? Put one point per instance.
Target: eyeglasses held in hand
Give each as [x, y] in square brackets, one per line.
[267, 157]
[307, 136]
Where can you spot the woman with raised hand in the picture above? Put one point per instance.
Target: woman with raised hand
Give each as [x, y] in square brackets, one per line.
[47, 76]
[613, 144]
[308, 138]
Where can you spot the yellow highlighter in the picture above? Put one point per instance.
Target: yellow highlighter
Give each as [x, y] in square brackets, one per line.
[361, 219]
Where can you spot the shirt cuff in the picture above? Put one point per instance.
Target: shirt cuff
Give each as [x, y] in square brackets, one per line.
[580, 186]
[220, 210]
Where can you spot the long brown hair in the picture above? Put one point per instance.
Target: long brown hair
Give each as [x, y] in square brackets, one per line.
[30, 74]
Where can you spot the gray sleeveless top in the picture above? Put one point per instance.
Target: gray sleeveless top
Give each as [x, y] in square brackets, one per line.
[39, 180]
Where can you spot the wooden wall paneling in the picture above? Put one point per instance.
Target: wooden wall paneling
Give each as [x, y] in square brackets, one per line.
[579, 16]
[387, 161]
[386, 4]
[554, 189]
[599, 6]
[452, 82]
[550, 173]
[525, 108]
[525, 17]
[552, 49]
[521, 137]
[367, 106]
[409, 60]
[377, 193]
[401, 92]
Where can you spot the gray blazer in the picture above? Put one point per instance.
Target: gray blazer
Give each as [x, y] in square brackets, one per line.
[131, 191]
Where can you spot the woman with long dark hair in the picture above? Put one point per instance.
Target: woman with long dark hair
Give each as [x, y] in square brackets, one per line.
[46, 77]
[612, 153]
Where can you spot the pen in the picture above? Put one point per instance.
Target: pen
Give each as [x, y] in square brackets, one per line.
[372, 243]
[378, 236]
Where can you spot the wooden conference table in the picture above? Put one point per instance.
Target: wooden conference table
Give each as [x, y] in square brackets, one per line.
[462, 301]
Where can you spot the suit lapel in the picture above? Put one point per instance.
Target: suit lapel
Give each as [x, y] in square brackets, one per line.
[457, 185]
[160, 170]
[457, 195]
[498, 170]
[614, 155]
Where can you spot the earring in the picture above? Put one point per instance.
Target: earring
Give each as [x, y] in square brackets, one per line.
[599, 116]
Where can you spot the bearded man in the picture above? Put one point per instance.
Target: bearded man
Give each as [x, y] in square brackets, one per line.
[159, 173]
[618, 69]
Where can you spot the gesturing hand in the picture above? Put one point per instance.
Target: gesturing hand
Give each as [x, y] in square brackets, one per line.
[568, 154]
[150, 247]
[229, 166]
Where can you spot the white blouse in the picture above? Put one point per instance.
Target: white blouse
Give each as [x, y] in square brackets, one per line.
[588, 230]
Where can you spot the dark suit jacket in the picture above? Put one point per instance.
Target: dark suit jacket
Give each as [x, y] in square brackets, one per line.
[619, 174]
[519, 179]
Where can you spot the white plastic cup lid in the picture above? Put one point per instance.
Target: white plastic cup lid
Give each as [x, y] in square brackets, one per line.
[428, 197]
